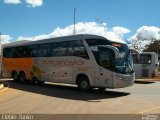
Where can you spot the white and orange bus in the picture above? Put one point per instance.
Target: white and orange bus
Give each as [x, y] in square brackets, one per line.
[85, 60]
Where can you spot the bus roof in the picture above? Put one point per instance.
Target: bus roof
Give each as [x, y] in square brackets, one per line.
[58, 39]
[15, 43]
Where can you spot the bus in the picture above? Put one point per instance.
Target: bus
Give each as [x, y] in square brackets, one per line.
[86, 60]
[146, 66]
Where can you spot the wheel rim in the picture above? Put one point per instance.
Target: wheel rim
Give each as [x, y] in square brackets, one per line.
[22, 78]
[84, 84]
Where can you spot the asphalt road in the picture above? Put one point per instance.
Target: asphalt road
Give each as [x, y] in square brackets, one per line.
[63, 99]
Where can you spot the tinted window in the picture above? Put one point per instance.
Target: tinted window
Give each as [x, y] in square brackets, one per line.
[61, 48]
[21, 52]
[44, 50]
[7, 52]
[66, 48]
[76, 48]
[135, 58]
[33, 51]
[145, 59]
[15, 52]
[95, 42]
[106, 58]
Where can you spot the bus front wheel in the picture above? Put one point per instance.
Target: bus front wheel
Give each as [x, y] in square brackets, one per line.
[83, 84]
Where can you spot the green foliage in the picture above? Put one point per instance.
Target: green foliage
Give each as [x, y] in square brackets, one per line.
[153, 47]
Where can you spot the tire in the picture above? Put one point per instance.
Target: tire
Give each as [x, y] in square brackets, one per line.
[101, 89]
[22, 77]
[83, 84]
[15, 76]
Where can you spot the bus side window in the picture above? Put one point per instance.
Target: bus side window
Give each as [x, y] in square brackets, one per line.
[7, 53]
[54, 50]
[21, 52]
[76, 48]
[62, 48]
[33, 51]
[145, 59]
[44, 50]
[70, 51]
[14, 53]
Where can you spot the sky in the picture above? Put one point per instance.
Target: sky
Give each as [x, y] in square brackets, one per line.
[129, 20]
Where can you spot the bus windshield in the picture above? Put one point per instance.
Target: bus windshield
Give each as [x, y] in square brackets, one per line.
[105, 58]
[124, 63]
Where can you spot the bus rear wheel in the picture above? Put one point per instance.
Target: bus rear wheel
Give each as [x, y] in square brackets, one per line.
[15, 76]
[83, 84]
[22, 77]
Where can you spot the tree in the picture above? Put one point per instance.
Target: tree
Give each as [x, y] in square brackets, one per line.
[153, 47]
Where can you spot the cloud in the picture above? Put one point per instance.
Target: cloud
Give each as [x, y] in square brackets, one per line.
[34, 3]
[120, 31]
[144, 36]
[12, 1]
[116, 33]
[39, 37]
[148, 33]
[30, 3]
[5, 39]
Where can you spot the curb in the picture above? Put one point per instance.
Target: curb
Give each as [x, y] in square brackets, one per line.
[147, 80]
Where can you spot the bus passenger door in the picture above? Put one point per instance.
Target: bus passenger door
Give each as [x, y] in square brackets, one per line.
[107, 65]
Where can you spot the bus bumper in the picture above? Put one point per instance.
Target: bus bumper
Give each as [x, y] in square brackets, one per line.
[122, 80]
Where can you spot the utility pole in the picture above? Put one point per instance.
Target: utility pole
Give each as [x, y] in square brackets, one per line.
[74, 30]
[0, 45]
[0, 54]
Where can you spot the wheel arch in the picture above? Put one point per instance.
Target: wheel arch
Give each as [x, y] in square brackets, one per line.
[81, 76]
[22, 71]
[13, 72]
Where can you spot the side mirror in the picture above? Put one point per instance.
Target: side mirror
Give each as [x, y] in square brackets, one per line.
[114, 49]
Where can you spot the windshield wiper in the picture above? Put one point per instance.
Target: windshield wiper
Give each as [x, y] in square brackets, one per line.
[127, 55]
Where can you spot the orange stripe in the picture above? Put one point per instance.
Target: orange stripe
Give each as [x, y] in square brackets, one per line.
[18, 64]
